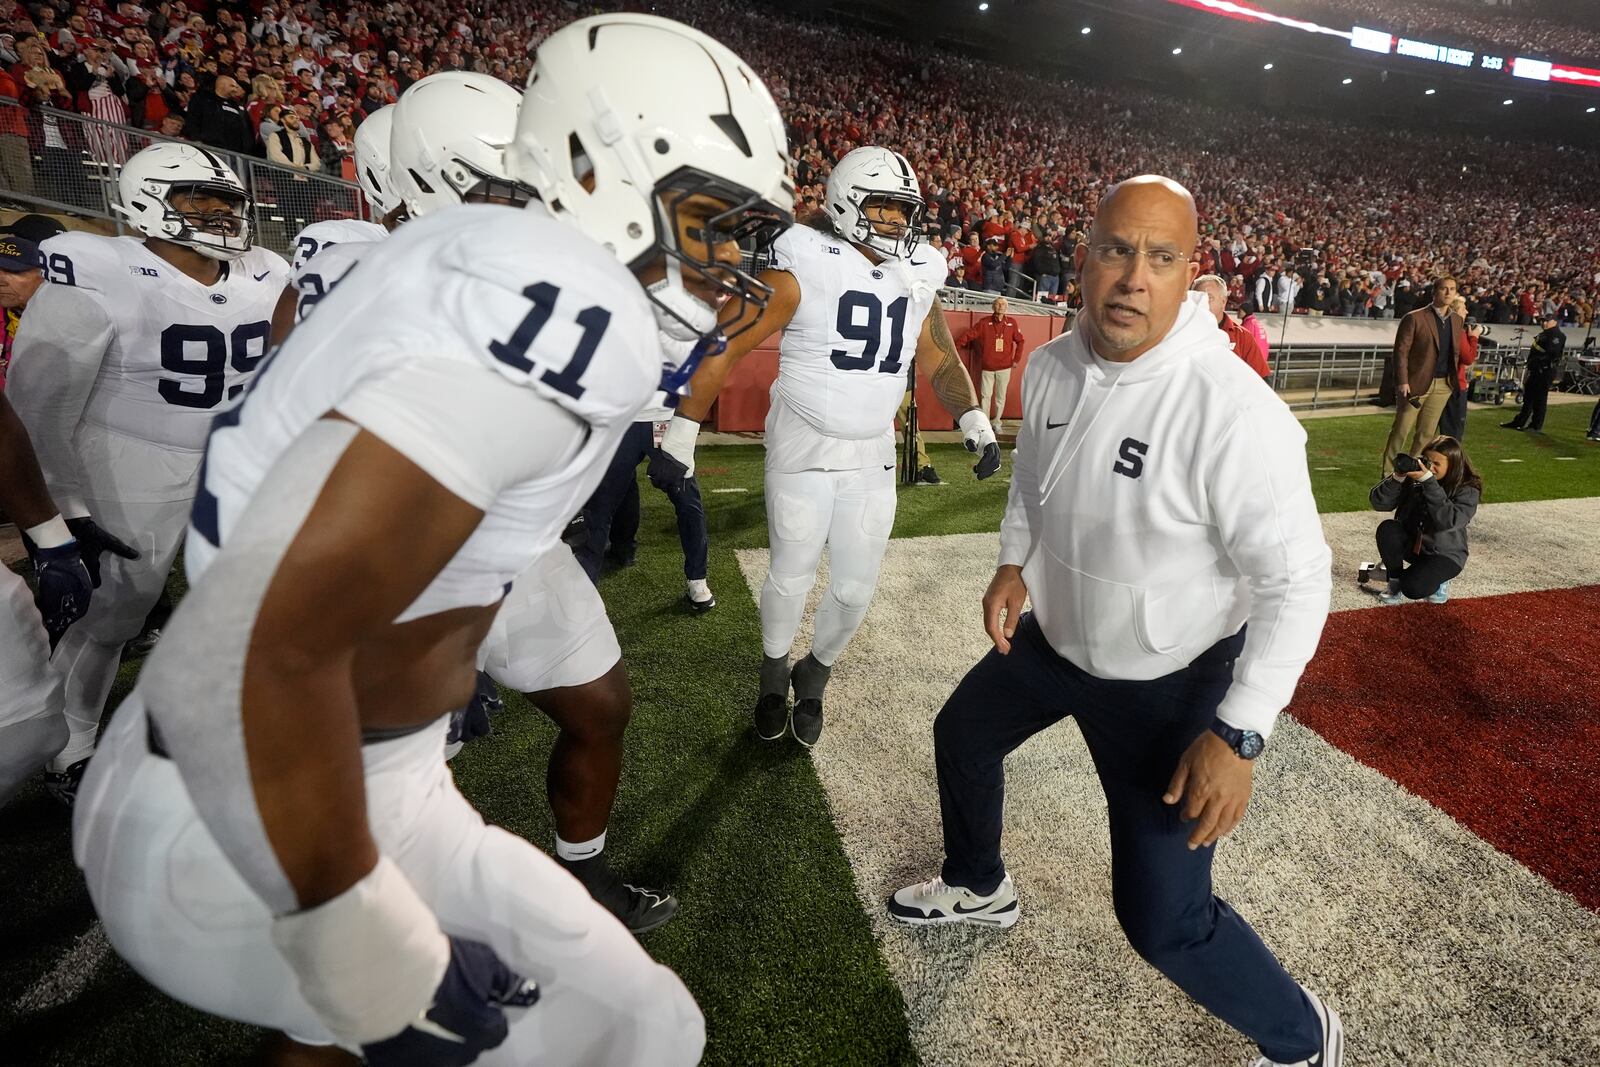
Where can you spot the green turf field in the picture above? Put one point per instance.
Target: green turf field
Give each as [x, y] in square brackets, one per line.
[771, 938]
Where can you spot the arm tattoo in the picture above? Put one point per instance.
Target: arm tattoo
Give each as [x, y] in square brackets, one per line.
[949, 379]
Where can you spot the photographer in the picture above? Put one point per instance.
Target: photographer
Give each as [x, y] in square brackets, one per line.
[1544, 356]
[1425, 544]
[1453, 423]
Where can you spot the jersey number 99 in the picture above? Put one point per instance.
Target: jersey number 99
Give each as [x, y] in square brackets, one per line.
[201, 354]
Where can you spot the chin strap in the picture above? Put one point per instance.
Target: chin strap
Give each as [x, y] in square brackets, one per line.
[675, 382]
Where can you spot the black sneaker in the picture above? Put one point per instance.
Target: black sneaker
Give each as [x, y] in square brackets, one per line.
[63, 785]
[772, 716]
[929, 476]
[622, 558]
[1509, 426]
[640, 910]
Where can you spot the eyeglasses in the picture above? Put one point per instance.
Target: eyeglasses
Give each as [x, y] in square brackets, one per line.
[1161, 260]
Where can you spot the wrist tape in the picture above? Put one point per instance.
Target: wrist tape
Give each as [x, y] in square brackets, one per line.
[51, 533]
[369, 960]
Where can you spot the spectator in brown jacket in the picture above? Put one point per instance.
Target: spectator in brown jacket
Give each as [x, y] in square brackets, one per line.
[1425, 361]
[999, 342]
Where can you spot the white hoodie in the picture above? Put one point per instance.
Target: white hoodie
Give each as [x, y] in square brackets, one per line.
[1156, 506]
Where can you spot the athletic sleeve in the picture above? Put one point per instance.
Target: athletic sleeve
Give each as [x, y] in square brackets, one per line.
[61, 343]
[1259, 489]
[500, 434]
[1019, 528]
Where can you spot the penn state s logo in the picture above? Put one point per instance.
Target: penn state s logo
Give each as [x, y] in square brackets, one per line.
[218, 298]
[1131, 458]
[877, 275]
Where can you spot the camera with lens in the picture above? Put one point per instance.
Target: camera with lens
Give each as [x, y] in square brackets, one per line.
[1406, 464]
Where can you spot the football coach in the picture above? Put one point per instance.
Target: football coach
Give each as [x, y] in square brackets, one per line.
[1161, 520]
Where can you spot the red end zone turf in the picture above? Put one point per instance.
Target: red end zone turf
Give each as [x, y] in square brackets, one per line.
[1487, 708]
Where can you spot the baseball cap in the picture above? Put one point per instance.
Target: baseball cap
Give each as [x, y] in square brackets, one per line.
[19, 254]
[34, 228]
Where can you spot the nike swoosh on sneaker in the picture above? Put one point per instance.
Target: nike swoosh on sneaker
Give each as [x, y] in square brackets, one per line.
[433, 1029]
[959, 910]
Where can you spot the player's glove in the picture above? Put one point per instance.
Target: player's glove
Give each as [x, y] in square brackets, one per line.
[92, 541]
[64, 588]
[978, 436]
[467, 1016]
[673, 463]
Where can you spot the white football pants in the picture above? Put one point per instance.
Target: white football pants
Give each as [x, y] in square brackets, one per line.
[175, 909]
[31, 727]
[142, 493]
[852, 513]
[552, 630]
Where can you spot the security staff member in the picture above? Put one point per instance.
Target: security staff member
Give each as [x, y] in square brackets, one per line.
[1543, 358]
[1160, 500]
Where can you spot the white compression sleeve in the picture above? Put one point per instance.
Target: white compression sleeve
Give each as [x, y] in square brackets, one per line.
[61, 342]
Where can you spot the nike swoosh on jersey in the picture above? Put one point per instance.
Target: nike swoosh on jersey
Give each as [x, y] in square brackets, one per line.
[428, 1026]
[1055, 425]
[262, 276]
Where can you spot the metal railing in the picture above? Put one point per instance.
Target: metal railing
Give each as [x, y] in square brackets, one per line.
[59, 161]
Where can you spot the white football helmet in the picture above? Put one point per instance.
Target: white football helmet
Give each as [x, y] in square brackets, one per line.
[625, 118]
[448, 139]
[870, 176]
[372, 161]
[158, 171]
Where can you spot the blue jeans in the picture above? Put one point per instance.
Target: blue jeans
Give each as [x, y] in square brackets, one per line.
[612, 513]
[1049, 284]
[1161, 891]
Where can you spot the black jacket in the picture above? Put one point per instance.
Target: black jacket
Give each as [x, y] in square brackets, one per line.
[1545, 355]
[1424, 506]
[219, 123]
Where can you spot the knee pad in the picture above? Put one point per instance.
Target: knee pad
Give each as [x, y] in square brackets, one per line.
[852, 595]
[791, 585]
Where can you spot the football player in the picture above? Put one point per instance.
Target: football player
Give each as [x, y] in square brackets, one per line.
[551, 639]
[372, 172]
[118, 368]
[856, 300]
[31, 726]
[410, 450]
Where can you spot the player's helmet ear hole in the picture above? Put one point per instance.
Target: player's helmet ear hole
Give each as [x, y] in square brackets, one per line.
[582, 167]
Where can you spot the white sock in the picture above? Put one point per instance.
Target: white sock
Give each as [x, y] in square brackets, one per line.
[699, 590]
[583, 850]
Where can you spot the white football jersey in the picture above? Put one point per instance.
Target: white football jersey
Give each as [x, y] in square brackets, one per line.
[316, 277]
[845, 356]
[466, 288]
[182, 351]
[330, 232]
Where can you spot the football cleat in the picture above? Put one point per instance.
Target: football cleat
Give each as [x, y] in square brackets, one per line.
[640, 910]
[933, 902]
[63, 785]
[772, 716]
[1332, 1052]
[928, 476]
[805, 721]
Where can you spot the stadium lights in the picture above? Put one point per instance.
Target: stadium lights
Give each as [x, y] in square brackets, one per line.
[1177, 51]
[1589, 112]
[983, 7]
[1085, 30]
[1504, 102]
[1347, 81]
[1429, 92]
[1267, 66]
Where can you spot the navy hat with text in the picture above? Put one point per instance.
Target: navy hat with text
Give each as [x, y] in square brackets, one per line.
[19, 254]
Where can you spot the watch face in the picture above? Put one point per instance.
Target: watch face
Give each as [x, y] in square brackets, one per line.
[1251, 744]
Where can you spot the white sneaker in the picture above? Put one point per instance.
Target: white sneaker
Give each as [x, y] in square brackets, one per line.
[1332, 1053]
[699, 596]
[928, 903]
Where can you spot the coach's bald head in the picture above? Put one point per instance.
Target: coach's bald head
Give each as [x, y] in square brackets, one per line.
[1137, 265]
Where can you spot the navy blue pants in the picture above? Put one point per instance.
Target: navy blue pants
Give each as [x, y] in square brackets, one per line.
[1135, 731]
[612, 513]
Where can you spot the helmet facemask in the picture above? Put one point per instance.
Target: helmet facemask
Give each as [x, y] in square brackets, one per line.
[890, 239]
[223, 235]
[685, 316]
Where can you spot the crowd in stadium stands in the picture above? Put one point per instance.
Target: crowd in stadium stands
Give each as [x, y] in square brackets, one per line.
[1540, 30]
[1011, 177]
